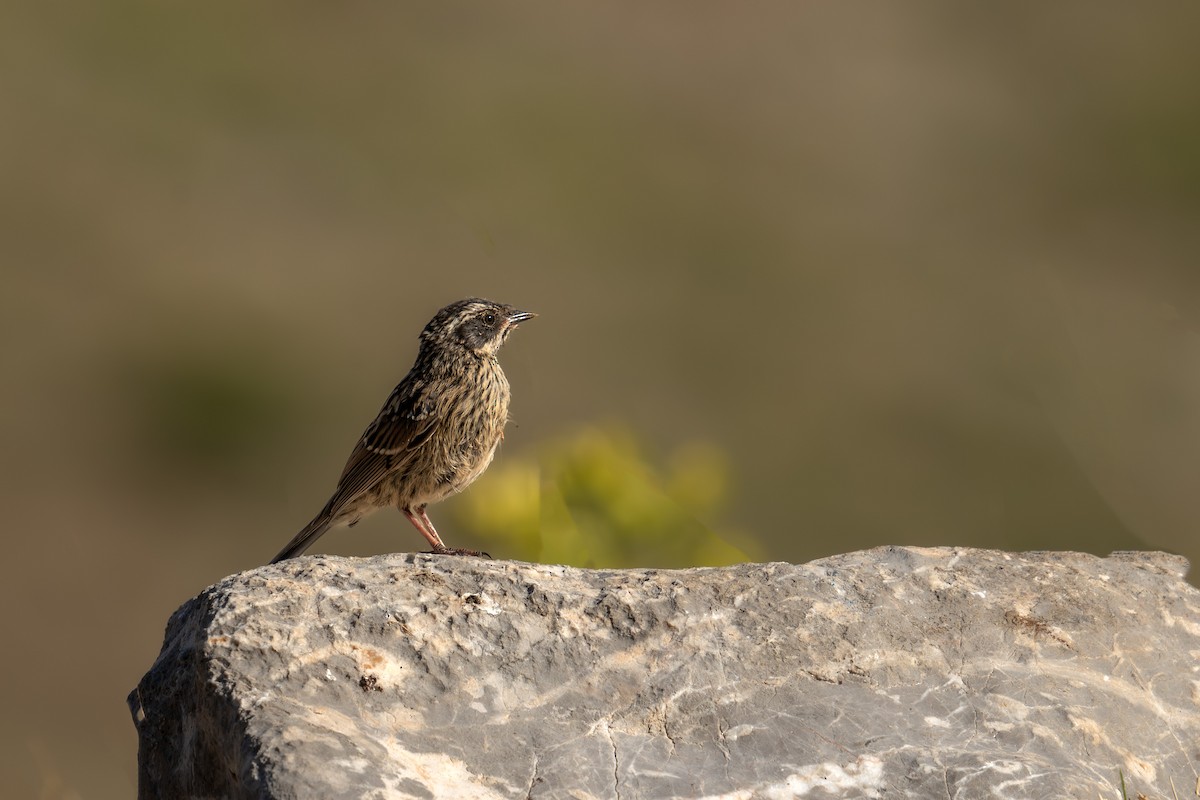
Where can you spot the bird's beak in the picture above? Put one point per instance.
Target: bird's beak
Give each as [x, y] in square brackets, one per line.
[520, 316]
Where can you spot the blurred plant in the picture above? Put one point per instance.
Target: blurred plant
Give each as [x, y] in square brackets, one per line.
[592, 499]
[209, 413]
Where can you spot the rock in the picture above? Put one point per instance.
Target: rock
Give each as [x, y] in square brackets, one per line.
[895, 672]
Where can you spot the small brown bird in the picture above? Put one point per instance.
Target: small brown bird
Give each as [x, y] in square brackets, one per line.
[438, 430]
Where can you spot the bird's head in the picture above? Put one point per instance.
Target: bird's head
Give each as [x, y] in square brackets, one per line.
[477, 325]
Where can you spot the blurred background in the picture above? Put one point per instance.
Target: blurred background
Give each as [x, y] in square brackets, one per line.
[810, 279]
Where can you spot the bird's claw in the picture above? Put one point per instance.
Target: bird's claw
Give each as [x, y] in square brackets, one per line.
[456, 551]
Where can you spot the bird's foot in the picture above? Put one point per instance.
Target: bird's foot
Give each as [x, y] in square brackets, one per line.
[456, 551]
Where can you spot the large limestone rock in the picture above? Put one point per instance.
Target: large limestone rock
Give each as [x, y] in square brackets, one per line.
[896, 672]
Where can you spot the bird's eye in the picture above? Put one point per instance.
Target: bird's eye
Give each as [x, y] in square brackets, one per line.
[489, 318]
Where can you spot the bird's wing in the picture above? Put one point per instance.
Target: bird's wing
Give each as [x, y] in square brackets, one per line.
[404, 422]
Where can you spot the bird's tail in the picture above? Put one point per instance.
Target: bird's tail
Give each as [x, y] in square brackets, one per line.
[304, 539]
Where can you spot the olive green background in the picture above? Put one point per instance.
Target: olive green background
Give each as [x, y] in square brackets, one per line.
[890, 274]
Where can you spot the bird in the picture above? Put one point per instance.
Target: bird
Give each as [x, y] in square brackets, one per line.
[436, 433]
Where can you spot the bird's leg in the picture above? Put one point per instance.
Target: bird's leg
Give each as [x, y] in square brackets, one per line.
[421, 522]
[430, 533]
[429, 526]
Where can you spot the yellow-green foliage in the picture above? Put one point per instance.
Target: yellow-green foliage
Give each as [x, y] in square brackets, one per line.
[593, 500]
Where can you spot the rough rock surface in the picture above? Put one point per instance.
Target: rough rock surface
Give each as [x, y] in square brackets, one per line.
[895, 672]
